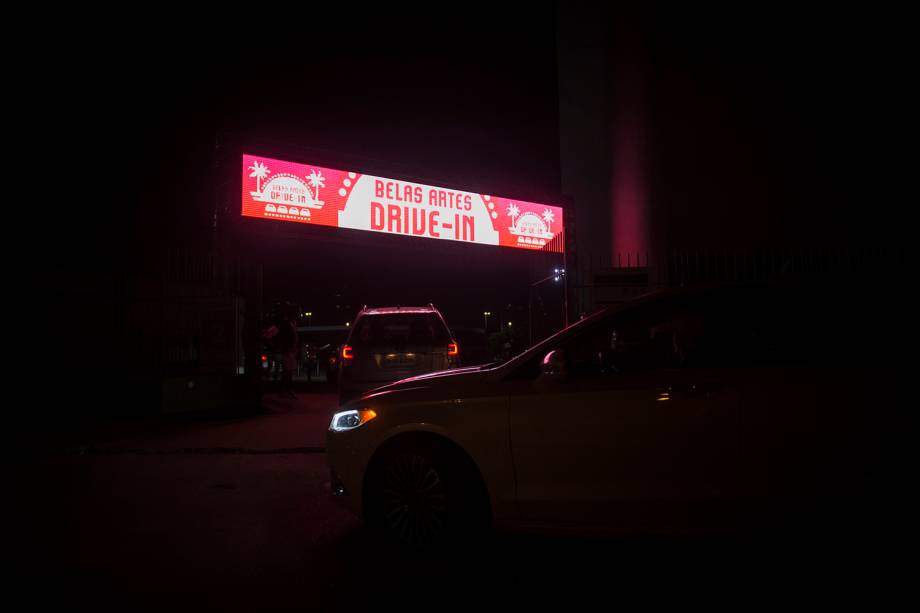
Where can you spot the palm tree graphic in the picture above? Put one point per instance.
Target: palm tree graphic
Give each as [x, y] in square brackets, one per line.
[259, 171]
[316, 181]
[548, 217]
[513, 211]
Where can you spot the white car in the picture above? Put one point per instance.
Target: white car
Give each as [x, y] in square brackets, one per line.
[387, 344]
[679, 411]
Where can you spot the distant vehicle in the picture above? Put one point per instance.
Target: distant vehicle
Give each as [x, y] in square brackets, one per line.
[391, 343]
[710, 409]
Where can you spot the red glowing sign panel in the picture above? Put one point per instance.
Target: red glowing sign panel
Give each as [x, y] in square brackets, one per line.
[301, 193]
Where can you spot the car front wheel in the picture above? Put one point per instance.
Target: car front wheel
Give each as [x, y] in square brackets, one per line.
[423, 496]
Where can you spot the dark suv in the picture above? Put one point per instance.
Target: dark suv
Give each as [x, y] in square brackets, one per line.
[391, 343]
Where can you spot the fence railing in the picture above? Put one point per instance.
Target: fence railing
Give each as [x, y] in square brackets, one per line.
[686, 268]
[184, 267]
[617, 277]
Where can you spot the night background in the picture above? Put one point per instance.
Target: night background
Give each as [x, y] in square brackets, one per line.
[753, 132]
[666, 135]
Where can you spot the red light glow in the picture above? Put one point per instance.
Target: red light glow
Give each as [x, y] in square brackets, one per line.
[453, 349]
[347, 352]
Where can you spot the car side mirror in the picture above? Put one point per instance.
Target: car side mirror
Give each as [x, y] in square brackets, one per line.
[553, 366]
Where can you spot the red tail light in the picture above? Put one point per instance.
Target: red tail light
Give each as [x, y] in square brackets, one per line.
[347, 352]
[453, 349]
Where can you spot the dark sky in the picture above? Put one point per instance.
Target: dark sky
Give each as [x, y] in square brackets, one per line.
[796, 120]
[467, 97]
[121, 115]
[463, 98]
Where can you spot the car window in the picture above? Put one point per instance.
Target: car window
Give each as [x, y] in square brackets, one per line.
[728, 328]
[640, 339]
[400, 329]
[649, 337]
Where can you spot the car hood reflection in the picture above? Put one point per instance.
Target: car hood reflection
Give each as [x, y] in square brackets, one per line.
[434, 379]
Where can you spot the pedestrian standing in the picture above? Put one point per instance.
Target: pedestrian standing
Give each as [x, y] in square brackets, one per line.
[288, 346]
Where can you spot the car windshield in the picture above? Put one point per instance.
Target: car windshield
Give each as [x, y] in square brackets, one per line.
[400, 329]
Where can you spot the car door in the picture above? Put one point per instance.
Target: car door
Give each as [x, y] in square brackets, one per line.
[629, 430]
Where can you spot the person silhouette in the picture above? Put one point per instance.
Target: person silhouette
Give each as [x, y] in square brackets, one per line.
[288, 346]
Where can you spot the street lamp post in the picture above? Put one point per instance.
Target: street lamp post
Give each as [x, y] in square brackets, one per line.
[485, 315]
[558, 274]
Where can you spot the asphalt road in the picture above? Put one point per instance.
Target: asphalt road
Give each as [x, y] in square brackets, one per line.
[191, 516]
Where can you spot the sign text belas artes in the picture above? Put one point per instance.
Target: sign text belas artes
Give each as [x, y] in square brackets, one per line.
[302, 193]
[396, 218]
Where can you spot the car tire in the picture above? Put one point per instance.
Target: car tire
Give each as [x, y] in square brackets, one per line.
[425, 496]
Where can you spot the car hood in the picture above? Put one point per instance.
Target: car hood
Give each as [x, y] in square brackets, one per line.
[442, 382]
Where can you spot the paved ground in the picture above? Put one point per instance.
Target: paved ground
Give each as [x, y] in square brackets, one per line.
[202, 514]
[282, 423]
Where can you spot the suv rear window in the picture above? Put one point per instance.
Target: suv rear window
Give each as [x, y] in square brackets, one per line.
[400, 329]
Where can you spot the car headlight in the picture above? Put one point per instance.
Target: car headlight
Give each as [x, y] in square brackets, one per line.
[349, 420]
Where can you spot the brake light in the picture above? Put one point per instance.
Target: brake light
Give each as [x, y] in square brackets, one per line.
[453, 349]
[347, 352]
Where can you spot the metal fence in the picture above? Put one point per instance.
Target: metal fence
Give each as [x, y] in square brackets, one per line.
[187, 317]
[856, 265]
[611, 278]
[186, 268]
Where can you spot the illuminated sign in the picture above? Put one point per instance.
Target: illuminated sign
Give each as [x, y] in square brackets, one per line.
[301, 193]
